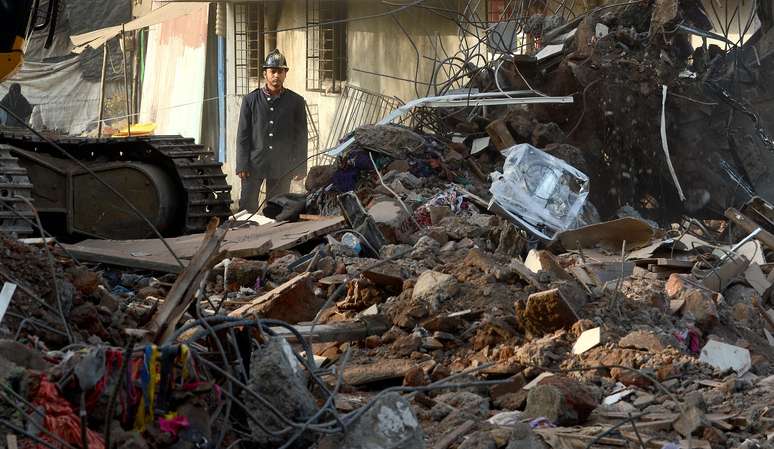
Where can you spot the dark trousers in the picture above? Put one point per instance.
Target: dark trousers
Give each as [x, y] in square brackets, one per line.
[251, 188]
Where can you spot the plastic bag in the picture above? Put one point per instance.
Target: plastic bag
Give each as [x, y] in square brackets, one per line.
[543, 193]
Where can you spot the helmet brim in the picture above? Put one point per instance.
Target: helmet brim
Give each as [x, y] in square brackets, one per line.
[275, 67]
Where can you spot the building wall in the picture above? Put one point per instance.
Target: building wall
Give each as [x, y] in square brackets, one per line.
[375, 45]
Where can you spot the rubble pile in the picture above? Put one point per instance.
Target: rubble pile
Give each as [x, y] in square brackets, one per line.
[527, 280]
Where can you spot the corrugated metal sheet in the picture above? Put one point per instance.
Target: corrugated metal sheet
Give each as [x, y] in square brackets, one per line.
[173, 90]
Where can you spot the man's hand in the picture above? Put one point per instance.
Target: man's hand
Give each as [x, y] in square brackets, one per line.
[243, 174]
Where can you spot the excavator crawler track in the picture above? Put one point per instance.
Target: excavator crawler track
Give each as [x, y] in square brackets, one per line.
[15, 213]
[202, 189]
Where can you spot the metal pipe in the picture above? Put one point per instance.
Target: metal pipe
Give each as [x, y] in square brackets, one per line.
[261, 39]
[220, 31]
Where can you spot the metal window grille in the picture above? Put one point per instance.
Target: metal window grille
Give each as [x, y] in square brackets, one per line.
[326, 45]
[313, 122]
[358, 107]
[498, 10]
[247, 49]
[507, 19]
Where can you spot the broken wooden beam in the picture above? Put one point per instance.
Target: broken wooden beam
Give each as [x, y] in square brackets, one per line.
[380, 370]
[183, 291]
[354, 330]
[338, 331]
[500, 135]
[293, 302]
[454, 435]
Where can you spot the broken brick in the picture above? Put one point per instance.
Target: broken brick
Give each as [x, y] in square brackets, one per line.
[644, 340]
[416, 377]
[514, 385]
[564, 401]
[294, 301]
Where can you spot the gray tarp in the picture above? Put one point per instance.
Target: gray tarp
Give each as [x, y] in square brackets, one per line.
[64, 87]
[61, 98]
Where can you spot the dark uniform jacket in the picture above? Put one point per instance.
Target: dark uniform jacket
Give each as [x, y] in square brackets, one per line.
[272, 135]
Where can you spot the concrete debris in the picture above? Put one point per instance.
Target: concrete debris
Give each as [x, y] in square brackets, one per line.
[643, 340]
[435, 286]
[561, 400]
[724, 357]
[523, 437]
[276, 375]
[508, 268]
[388, 423]
[587, 340]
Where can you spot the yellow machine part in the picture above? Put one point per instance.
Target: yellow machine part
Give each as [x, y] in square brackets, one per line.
[12, 60]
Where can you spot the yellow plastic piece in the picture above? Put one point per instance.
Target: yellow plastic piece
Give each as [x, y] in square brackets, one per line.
[140, 129]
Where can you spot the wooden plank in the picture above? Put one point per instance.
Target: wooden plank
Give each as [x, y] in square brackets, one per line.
[244, 242]
[157, 264]
[339, 331]
[380, 370]
[454, 435]
[660, 425]
[37, 240]
[308, 217]
[608, 235]
[748, 225]
[182, 292]
[665, 262]
[150, 254]
[634, 438]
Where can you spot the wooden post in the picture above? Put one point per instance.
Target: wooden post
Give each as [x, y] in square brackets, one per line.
[183, 291]
[126, 83]
[102, 88]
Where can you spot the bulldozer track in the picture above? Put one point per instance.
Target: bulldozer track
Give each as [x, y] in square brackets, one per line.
[14, 183]
[197, 172]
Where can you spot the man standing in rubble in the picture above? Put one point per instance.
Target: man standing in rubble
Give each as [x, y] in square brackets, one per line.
[271, 137]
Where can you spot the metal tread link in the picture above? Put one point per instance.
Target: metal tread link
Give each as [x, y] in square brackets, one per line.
[202, 178]
[14, 183]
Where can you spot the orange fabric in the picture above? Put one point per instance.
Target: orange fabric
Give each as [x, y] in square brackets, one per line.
[61, 418]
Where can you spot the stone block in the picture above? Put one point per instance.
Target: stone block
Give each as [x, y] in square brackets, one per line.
[644, 340]
[277, 376]
[389, 423]
[435, 285]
